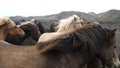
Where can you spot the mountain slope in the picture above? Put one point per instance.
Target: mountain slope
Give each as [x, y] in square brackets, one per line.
[112, 16]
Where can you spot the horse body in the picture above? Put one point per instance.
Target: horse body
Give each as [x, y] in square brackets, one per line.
[17, 57]
[27, 57]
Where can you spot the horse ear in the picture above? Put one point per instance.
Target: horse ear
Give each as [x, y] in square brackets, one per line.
[112, 34]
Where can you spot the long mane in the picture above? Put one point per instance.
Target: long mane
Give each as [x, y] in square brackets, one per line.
[65, 23]
[84, 40]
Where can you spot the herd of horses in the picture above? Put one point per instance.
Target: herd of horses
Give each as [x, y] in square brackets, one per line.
[76, 43]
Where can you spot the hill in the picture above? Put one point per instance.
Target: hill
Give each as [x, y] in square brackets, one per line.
[112, 16]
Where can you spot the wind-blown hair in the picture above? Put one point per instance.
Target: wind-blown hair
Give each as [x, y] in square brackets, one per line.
[85, 42]
[68, 24]
[65, 26]
[91, 35]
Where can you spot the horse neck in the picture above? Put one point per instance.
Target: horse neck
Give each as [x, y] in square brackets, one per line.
[3, 33]
[63, 30]
[66, 29]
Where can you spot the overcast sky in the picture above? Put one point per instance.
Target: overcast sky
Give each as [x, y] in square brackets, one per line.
[47, 7]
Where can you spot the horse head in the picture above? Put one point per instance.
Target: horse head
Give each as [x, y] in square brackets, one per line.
[11, 27]
[69, 24]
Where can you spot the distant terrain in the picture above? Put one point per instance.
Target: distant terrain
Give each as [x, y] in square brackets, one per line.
[109, 19]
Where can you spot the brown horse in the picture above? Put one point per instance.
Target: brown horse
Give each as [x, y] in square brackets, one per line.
[96, 62]
[69, 50]
[7, 26]
[31, 30]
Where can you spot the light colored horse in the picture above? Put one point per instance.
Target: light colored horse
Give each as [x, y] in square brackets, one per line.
[9, 26]
[65, 26]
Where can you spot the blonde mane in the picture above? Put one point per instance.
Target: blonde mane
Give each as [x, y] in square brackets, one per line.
[65, 24]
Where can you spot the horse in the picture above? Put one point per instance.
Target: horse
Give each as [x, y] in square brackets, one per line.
[39, 24]
[69, 50]
[31, 30]
[96, 62]
[66, 25]
[7, 26]
[53, 26]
